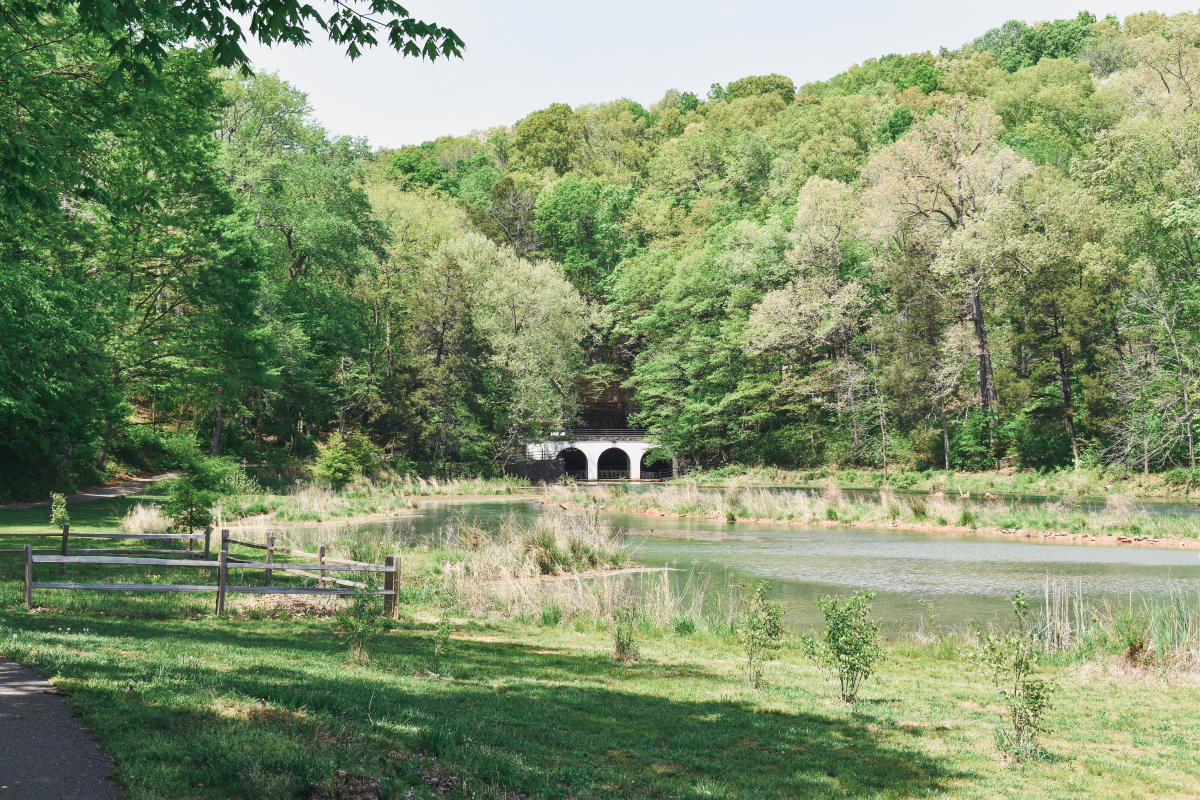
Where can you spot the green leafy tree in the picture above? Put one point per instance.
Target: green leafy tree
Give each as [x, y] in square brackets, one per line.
[335, 465]
[548, 139]
[59, 516]
[780, 85]
[848, 645]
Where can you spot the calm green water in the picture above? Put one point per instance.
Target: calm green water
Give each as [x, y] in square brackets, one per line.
[963, 577]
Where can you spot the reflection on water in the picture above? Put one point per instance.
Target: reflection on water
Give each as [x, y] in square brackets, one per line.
[962, 576]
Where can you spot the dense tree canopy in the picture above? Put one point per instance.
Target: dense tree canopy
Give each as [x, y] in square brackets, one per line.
[984, 255]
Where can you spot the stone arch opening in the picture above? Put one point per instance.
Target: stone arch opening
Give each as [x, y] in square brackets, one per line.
[656, 464]
[613, 464]
[574, 463]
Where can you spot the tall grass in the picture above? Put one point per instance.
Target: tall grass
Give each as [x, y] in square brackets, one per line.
[144, 518]
[314, 503]
[1088, 481]
[830, 504]
[1159, 630]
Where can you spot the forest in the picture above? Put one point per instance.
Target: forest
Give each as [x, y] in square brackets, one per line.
[977, 257]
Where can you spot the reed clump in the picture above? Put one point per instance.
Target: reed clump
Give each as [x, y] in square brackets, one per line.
[1161, 631]
[144, 518]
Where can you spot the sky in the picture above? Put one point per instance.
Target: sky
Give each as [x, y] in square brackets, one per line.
[526, 54]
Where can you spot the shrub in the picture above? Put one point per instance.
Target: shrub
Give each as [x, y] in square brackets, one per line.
[683, 625]
[760, 630]
[848, 646]
[202, 481]
[364, 455]
[362, 622]
[831, 514]
[1132, 631]
[968, 518]
[1010, 660]
[58, 510]
[625, 650]
[552, 614]
[335, 466]
[919, 508]
[188, 507]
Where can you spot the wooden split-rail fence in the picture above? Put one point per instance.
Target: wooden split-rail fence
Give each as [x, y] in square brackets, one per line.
[223, 563]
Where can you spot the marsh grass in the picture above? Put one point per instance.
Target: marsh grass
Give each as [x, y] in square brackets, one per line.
[1119, 517]
[1160, 632]
[1083, 482]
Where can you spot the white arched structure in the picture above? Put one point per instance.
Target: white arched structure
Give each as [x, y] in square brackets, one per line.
[592, 445]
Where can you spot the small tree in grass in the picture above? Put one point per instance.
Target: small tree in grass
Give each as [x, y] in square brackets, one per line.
[58, 510]
[625, 649]
[188, 506]
[362, 622]
[1010, 660]
[760, 630]
[848, 645]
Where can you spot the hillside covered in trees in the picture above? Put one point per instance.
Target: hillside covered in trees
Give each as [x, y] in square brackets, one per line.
[985, 255]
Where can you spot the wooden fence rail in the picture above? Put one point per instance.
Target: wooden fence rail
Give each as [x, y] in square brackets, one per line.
[223, 564]
[66, 535]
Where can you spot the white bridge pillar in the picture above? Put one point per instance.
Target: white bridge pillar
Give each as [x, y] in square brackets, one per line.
[592, 449]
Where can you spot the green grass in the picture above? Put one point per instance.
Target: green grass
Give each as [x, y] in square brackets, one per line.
[97, 515]
[263, 709]
[191, 706]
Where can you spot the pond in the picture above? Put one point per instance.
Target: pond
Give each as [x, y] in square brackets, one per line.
[961, 576]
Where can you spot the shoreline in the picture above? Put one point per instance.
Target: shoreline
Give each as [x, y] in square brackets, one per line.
[1061, 537]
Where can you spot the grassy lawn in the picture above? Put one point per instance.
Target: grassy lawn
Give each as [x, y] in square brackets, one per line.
[95, 516]
[190, 706]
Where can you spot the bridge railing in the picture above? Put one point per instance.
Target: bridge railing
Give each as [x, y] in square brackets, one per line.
[601, 434]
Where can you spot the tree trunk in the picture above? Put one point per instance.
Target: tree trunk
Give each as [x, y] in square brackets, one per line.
[214, 448]
[882, 431]
[945, 437]
[1187, 402]
[1064, 382]
[102, 458]
[987, 386]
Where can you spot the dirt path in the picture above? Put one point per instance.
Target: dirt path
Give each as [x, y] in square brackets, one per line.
[47, 753]
[100, 492]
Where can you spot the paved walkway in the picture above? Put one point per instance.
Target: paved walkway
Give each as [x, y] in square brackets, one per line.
[100, 492]
[45, 753]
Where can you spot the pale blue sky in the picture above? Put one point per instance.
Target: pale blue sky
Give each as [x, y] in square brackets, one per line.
[524, 55]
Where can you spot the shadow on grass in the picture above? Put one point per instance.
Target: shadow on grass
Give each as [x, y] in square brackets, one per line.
[541, 723]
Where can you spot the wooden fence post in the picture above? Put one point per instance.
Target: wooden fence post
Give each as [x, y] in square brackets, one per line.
[321, 560]
[207, 539]
[221, 570]
[28, 577]
[389, 583]
[270, 557]
[62, 568]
